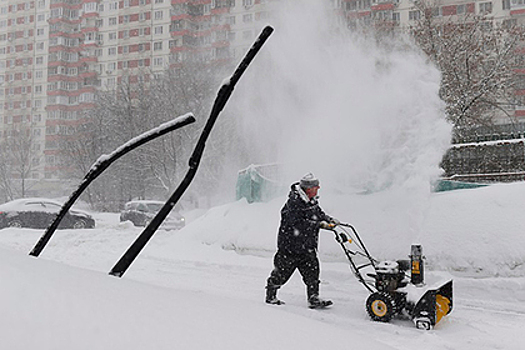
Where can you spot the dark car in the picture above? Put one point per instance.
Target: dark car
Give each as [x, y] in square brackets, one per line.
[39, 213]
[140, 213]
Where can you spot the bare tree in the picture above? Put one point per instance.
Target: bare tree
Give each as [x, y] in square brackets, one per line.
[475, 55]
[19, 159]
[135, 106]
[6, 180]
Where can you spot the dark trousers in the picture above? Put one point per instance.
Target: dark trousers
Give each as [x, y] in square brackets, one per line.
[284, 266]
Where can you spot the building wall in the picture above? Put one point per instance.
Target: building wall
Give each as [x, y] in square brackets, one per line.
[55, 54]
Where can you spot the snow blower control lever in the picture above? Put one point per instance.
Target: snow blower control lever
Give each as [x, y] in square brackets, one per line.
[396, 287]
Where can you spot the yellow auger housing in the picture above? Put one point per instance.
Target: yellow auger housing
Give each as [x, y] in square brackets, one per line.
[432, 306]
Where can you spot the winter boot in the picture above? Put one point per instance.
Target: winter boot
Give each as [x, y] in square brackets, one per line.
[271, 297]
[314, 302]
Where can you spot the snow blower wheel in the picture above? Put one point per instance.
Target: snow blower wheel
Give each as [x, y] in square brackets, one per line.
[380, 307]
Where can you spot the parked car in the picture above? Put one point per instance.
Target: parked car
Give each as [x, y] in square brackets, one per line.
[39, 213]
[141, 212]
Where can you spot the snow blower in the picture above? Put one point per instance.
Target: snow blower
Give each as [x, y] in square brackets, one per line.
[396, 287]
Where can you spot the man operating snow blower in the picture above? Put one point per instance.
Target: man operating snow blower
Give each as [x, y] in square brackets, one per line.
[297, 242]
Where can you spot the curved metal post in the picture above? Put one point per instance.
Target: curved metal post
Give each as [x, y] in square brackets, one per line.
[102, 164]
[220, 101]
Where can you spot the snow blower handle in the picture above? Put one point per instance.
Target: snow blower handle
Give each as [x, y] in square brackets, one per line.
[342, 238]
[327, 225]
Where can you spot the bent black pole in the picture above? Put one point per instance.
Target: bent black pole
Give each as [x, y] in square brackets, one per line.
[102, 164]
[223, 95]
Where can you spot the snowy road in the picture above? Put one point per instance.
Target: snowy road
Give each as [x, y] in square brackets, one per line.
[489, 313]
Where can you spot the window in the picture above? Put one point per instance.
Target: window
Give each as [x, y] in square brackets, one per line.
[247, 2]
[461, 9]
[396, 17]
[505, 4]
[414, 15]
[485, 7]
[158, 30]
[157, 46]
[90, 7]
[247, 18]
[158, 15]
[158, 61]
[112, 36]
[113, 21]
[112, 51]
[40, 32]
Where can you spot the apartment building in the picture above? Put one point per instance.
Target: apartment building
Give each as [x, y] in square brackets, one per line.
[55, 54]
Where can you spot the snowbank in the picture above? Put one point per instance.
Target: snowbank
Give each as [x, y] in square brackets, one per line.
[472, 231]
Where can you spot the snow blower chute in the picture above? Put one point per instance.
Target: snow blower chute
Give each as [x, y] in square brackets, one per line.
[396, 287]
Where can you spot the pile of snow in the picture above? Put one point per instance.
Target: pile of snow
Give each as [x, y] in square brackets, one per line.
[203, 287]
[474, 231]
[47, 305]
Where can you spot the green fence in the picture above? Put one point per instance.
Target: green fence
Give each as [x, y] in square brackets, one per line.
[449, 185]
[258, 183]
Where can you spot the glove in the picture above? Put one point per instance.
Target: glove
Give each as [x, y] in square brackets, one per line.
[326, 226]
[335, 221]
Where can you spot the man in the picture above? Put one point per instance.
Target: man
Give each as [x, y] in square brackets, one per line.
[297, 242]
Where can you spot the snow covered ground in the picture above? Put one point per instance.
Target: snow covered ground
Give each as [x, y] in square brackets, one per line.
[361, 119]
[203, 287]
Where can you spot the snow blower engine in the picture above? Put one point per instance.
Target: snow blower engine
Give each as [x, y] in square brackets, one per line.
[396, 287]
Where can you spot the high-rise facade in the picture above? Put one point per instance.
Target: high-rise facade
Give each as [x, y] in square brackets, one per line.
[55, 54]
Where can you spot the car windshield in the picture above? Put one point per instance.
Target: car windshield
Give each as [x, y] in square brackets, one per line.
[154, 207]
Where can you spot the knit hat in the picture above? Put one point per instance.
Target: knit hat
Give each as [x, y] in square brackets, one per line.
[309, 180]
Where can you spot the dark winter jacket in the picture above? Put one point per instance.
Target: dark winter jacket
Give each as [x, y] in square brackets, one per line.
[300, 219]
